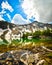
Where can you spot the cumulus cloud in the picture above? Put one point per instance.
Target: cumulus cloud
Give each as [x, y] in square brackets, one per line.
[6, 5]
[40, 9]
[18, 19]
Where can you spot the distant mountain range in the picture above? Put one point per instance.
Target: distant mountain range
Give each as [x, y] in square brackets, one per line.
[3, 24]
[9, 31]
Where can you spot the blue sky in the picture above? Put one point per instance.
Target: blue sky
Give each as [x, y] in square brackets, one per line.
[11, 8]
[26, 11]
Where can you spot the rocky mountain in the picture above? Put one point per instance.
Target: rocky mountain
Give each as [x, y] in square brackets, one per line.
[3, 25]
[9, 31]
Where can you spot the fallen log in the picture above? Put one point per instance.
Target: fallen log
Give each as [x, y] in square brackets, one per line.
[46, 49]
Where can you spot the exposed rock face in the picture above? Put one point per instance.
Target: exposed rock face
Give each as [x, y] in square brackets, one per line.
[11, 31]
[4, 24]
[25, 57]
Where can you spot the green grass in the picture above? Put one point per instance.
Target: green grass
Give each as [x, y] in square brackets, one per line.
[23, 40]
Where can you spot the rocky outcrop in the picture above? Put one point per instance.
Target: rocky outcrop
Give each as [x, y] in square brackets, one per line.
[26, 57]
[13, 31]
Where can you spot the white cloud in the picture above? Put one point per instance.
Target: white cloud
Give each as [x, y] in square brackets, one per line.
[6, 5]
[9, 16]
[2, 12]
[40, 9]
[27, 5]
[18, 19]
[1, 18]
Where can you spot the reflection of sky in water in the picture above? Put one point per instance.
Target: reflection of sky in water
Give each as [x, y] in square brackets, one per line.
[2, 42]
